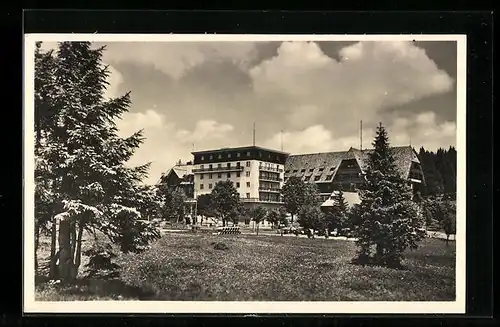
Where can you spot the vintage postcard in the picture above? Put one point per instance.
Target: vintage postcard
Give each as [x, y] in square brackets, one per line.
[244, 173]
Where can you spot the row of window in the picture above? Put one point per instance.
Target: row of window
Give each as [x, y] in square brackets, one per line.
[238, 155]
[316, 178]
[228, 175]
[303, 170]
[210, 185]
[238, 164]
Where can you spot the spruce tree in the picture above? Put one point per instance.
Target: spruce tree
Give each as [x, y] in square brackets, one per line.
[92, 188]
[389, 220]
[340, 211]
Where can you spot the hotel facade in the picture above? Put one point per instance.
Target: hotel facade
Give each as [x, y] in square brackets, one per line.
[256, 173]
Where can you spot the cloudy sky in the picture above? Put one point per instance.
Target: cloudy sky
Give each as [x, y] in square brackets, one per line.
[208, 94]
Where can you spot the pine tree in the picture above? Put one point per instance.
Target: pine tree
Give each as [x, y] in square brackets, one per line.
[340, 212]
[92, 189]
[433, 178]
[389, 219]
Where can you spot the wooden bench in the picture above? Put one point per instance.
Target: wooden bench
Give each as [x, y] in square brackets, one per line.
[227, 230]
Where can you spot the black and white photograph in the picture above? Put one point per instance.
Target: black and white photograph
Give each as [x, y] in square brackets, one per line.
[244, 173]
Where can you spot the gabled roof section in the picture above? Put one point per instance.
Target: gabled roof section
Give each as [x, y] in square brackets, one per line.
[309, 165]
[317, 167]
[403, 156]
[180, 171]
[351, 198]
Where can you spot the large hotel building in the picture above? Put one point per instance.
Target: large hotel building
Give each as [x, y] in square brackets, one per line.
[257, 173]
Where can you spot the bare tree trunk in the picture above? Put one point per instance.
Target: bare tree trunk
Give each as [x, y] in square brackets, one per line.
[447, 238]
[72, 238]
[78, 251]
[65, 254]
[257, 228]
[53, 244]
[37, 243]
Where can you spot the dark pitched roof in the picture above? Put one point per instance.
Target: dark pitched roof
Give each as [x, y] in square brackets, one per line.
[241, 148]
[180, 171]
[403, 156]
[297, 165]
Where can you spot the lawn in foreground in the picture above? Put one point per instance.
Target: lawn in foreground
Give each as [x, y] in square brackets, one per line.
[196, 267]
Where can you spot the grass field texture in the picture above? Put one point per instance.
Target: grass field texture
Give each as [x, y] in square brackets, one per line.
[197, 267]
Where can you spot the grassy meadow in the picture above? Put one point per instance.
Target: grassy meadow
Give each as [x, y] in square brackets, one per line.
[203, 267]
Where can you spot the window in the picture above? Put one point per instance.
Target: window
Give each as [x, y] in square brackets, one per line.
[238, 164]
[219, 165]
[219, 156]
[329, 176]
[211, 157]
[311, 170]
[248, 184]
[202, 158]
[219, 175]
[201, 176]
[237, 184]
[287, 171]
[201, 166]
[228, 165]
[317, 177]
[237, 174]
[248, 154]
[247, 174]
[248, 163]
[321, 169]
[238, 154]
[210, 186]
[295, 171]
[332, 169]
[303, 171]
[229, 155]
[228, 175]
[201, 186]
[248, 195]
[210, 166]
[210, 176]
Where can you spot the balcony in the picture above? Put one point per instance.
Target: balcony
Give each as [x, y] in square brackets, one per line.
[270, 189]
[271, 169]
[257, 200]
[218, 169]
[270, 179]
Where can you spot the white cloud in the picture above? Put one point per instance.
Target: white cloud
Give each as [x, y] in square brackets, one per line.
[115, 79]
[164, 142]
[205, 129]
[420, 130]
[173, 59]
[423, 130]
[312, 139]
[368, 77]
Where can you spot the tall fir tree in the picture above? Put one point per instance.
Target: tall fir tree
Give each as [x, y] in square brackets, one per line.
[433, 178]
[340, 212]
[92, 188]
[389, 219]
